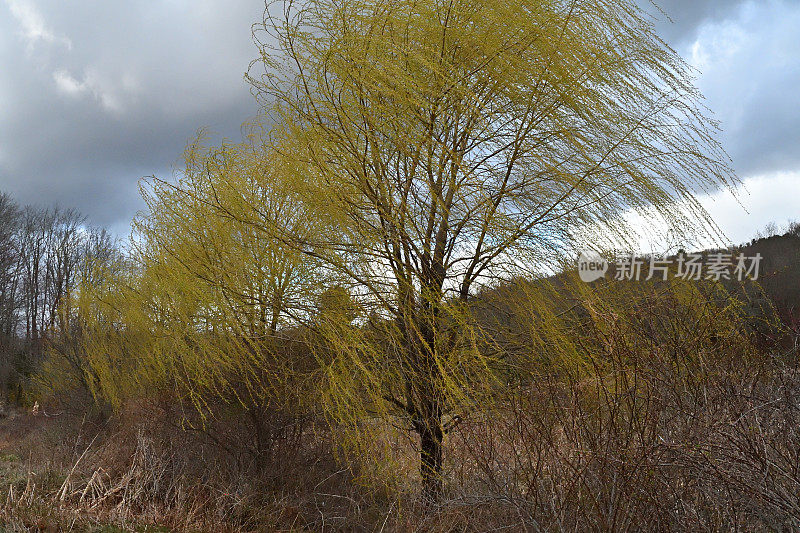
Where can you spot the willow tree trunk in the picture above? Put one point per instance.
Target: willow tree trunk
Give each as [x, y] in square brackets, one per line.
[431, 437]
[431, 433]
[427, 382]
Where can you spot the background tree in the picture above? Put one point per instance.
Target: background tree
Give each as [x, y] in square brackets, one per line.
[209, 314]
[91, 259]
[9, 285]
[454, 142]
[43, 255]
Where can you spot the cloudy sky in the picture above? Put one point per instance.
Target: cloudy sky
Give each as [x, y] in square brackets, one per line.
[95, 94]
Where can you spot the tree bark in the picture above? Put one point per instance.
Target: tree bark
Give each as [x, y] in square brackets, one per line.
[431, 437]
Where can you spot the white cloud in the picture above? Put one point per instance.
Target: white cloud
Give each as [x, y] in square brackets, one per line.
[32, 25]
[93, 86]
[738, 215]
[67, 84]
[718, 43]
[762, 199]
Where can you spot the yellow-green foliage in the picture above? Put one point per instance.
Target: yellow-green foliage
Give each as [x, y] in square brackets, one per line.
[202, 309]
[418, 152]
[453, 144]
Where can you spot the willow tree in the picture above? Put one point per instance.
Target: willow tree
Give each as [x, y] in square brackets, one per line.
[201, 313]
[456, 142]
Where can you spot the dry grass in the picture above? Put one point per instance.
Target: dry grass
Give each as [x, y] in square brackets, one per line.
[140, 472]
[659, 450]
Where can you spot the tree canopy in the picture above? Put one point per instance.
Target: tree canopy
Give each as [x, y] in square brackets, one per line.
[460, 142]
[410, 156]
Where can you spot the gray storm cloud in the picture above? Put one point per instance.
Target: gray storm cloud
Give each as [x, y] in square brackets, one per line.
[96, 94]
[679, 20]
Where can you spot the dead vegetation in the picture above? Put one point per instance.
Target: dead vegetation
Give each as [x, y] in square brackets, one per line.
[648, 445]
